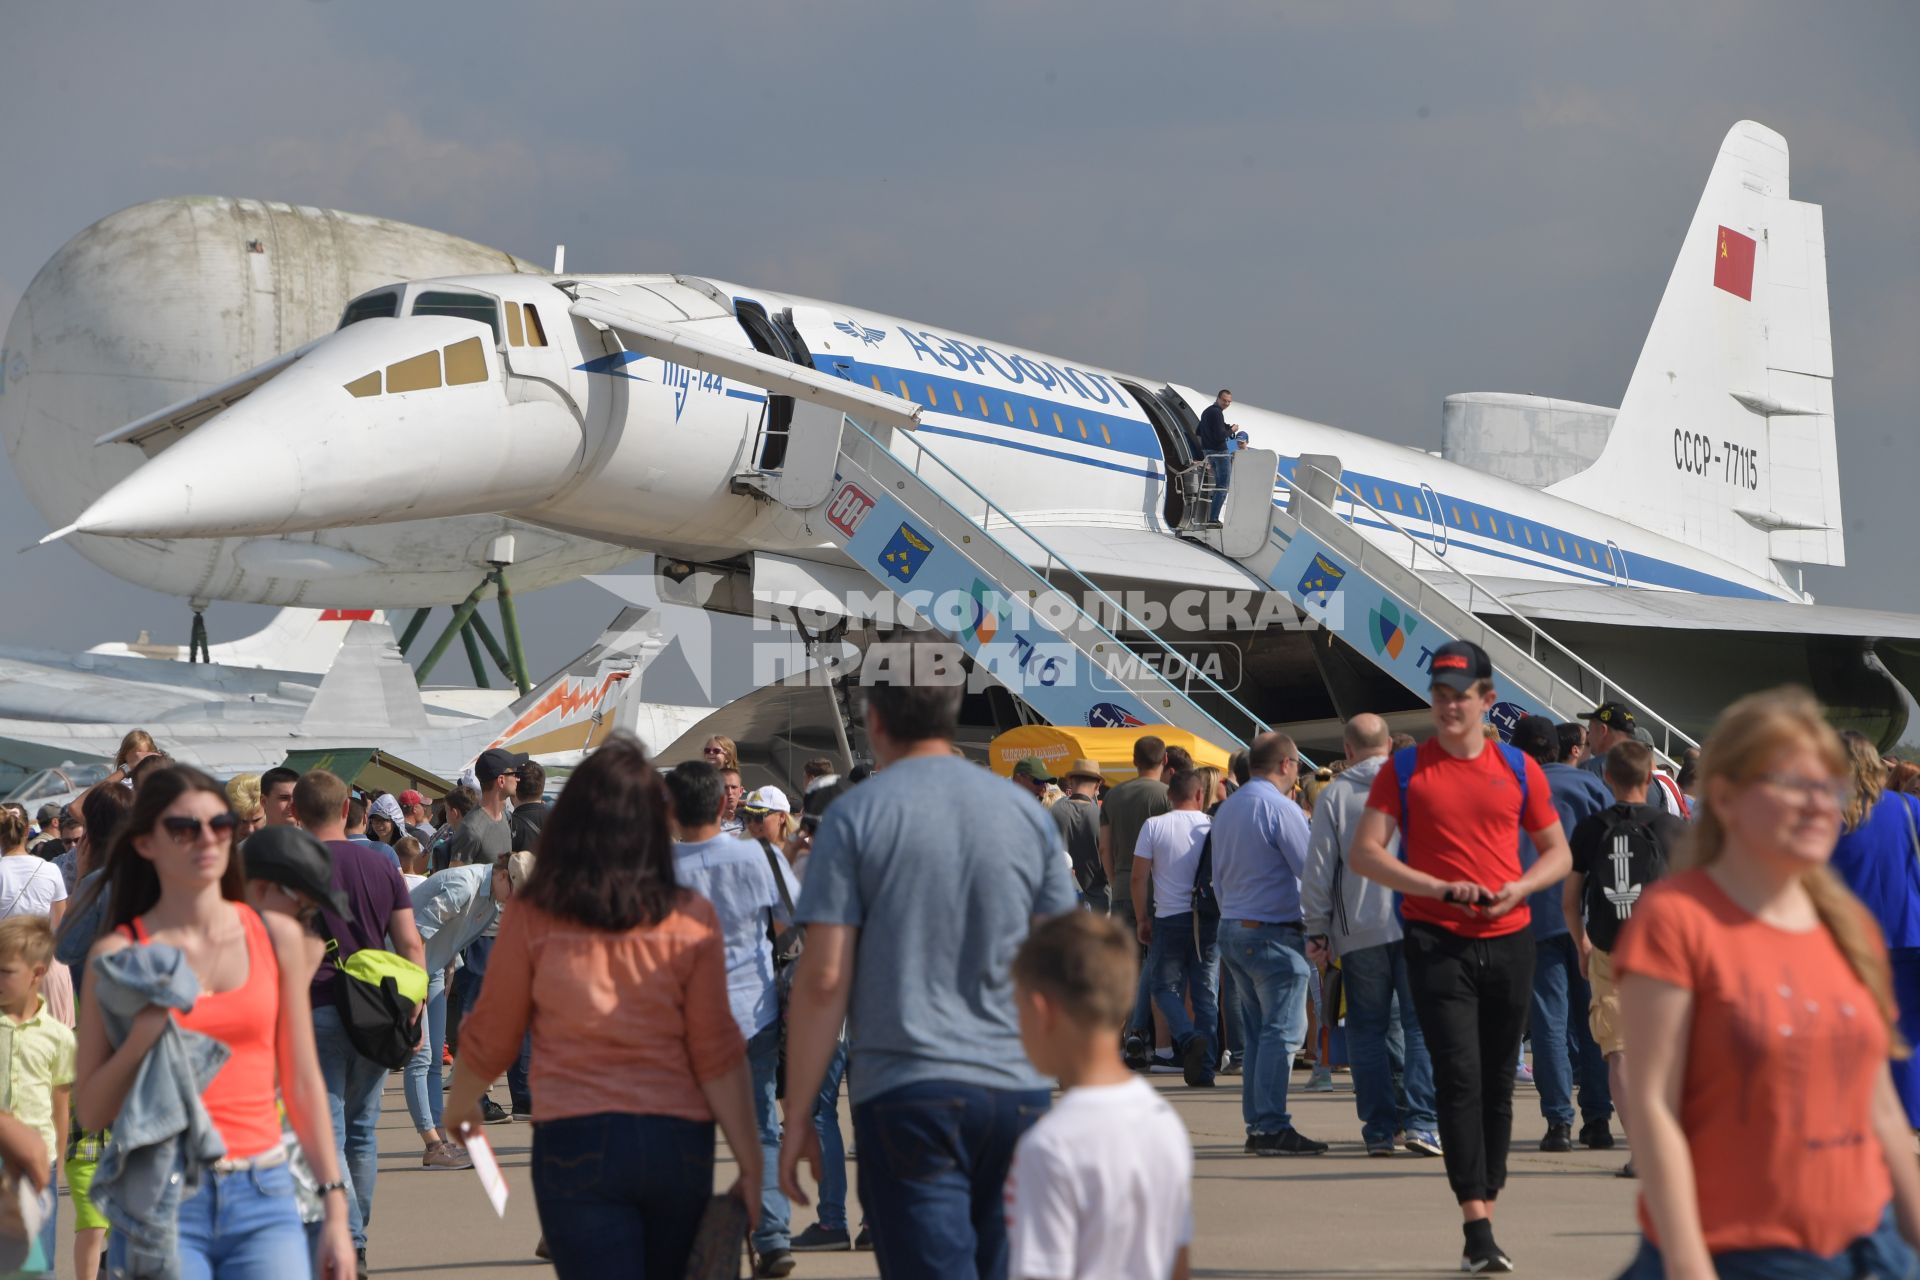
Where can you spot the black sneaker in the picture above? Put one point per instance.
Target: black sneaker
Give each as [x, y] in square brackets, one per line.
[1289, 1142]
[1253, 1140]
[819, 1239]
[1134, 1051]
[1484, 1260]
[360, 1263]
[1626, 1171]
[492, 1112]
[1559, 1138]
[1197, 1064]
[774, 1263]
[1595, 1135]
[863, 1243]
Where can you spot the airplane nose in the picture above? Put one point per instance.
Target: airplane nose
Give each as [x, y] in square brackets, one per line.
[325, 443]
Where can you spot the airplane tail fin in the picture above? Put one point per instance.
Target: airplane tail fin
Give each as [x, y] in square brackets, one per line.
[575, 709]
[1725, 438]
[369, 683]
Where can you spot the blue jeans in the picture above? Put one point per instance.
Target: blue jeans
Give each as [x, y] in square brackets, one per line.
[832, 1212]
[621, 1188]
[1375, 978]
[1883, 1255]
[1221, 466]
[763, 1058]
[238, 1226]
[933, 1167]
[1177, 965]
[1270, 969]
[425, 1102]
[1232, 1024]
[1563, 1044]
[354, 1085]
[466, 991]
[1141, 1023]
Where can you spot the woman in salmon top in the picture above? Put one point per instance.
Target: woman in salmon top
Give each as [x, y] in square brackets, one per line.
[176, 879]
[1757, 998]
[621, 975]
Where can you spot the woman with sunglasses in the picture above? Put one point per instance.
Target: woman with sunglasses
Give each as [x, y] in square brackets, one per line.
[176, 880]
[720, 752]
[1759, 1012]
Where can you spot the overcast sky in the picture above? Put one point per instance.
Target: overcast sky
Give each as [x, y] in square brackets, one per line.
[1345, 209]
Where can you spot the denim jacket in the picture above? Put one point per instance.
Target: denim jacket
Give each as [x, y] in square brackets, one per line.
[162, 1140]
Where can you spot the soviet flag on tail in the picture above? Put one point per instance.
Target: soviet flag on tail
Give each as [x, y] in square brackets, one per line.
[1733, 264]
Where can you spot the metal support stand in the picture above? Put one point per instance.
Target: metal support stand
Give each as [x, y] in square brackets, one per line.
[454, 628]
[473, 654]
[510, 623]
[412, 632]
[836, 691]
[478, 625]
[197, 649]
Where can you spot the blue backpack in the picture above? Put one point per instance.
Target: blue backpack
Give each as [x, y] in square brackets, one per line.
[1407, 758]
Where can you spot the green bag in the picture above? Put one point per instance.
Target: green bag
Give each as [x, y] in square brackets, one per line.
[378, 994]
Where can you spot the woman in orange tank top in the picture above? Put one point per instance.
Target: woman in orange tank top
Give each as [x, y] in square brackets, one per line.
[176, 879]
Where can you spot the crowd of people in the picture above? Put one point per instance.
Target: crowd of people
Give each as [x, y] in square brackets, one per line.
[207, 987]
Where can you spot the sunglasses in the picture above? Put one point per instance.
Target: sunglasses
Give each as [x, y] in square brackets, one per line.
[184, 830]
[713, 751]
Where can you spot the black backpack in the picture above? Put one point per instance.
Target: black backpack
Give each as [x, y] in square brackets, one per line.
[1206, 905]
[1631, 857]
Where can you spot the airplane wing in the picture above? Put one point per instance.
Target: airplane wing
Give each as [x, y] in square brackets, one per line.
[698, 351]
[151, 433]
[1638, 607]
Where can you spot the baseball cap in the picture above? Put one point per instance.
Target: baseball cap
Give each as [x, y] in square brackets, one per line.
[1537, 736]
[1458, 664]
[389, 808]
[1032, 767]
[519, 867]
[292, 857]
[767, 800]
[410, 798]
[495, 761]
[1613, 715]
[1085, 768]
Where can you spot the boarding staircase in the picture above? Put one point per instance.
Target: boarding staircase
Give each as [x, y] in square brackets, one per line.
[1021, 610]
[1394, 599]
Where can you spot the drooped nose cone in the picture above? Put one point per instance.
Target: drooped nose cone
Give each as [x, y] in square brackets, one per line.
[386, 420]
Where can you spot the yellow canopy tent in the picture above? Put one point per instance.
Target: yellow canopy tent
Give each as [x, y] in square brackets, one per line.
[1111, 749]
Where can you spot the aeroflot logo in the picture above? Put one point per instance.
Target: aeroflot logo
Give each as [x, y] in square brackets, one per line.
[568, 698]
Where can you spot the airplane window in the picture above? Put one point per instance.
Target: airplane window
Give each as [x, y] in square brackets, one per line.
[1008, 406]
[876, 383]
[959, 405]
[1509, 531]
[466, 362]
[422, 373]
[1419, 505]
[1082, 424]
[1059, 426]
[536, 332]
[1476, 517]
[904, 393]
[461, 306]
[984, 411]
[1529, 534]
[1563, 543]
[1398, 505]
[364, 387]
[516, 334]
[933, 397]
[1105, 436]
[1456, 518]
[1033, 416]
[375, 306]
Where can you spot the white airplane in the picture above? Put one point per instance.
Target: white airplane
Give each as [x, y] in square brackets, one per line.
[654, 411]
[174, 297]
[369, 699]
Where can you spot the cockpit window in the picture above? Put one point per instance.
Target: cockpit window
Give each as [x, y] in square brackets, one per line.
[375, 306]
[461, 306]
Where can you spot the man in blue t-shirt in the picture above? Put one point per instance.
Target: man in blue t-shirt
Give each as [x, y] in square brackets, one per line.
[922, 883]
[1563, 1046]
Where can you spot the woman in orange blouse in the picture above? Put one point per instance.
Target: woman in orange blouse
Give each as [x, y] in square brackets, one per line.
[1759, 1012]
[621, 975]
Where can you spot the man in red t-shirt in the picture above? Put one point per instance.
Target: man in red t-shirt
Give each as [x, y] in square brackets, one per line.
[1469, 952]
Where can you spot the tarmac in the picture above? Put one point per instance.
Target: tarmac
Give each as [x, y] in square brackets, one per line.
[1342, 1214]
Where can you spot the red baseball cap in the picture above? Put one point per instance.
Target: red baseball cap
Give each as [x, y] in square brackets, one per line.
[411, 798]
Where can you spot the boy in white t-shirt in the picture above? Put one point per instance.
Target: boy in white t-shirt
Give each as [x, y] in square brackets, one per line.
[1101, 1186]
